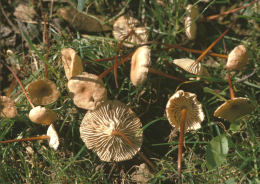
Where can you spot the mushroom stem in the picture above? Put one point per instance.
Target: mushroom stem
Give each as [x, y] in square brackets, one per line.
[182, 124]
[106, 59]
[42, 137]
[21, 85]
[132, 145]
[118, 50]
[231, 89]
[46, 36]
[112, 67]
[158, 72]
[212, 45]
[212, 17]
[11, 88]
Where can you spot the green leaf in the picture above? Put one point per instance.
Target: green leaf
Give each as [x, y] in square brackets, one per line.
[217, 151]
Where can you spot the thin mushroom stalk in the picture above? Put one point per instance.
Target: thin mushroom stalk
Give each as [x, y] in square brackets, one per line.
[181, 135]
[231, 89]
[158, 72]
[132, 145]
[42, 137]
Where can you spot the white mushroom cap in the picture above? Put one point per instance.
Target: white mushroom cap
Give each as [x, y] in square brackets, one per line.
[234, 109]
[179, 101]
[96, 131]
[140, 64]
[88, 90]
[237, 58]
[72, 62]
[43, 92]
[7, 107]
[42, 115]
[54, 138]
[123, 25]
[191, 66]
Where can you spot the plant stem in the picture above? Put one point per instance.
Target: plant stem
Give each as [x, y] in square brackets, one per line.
[132, 145]
[21, 85]
[182, 124]
[11, 87]
[42, 137]
[231, 89]
[158, 72]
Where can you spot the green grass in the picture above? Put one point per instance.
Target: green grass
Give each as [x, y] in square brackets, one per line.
[74, 163]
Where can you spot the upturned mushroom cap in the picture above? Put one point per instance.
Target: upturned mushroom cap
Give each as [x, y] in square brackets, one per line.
[140, 64]
[123, 25]
[43, 92]
[72, 62]
[42, 115]
[237, 58]
[54, 138]
[96, 131]
[88, 90]
[234, 109]
[190, 24]
[179, 101]
[191, 66]
[7, 107]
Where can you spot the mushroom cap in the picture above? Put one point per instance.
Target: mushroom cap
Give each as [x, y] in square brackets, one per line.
[193, 11]
[42, 115]
[72, 62]
[96, 131]
[140, 64]
[190, 24]
[7, 107]
[234, 109]
[54, 138]
[177, 102]
[43, 92]
[237, 58]
[123, 25]
[191, 66]
[88, 90]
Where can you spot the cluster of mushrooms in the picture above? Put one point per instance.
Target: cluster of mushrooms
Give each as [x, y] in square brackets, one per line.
[110, 128]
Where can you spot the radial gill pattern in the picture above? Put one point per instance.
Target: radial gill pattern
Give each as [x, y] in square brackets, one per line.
[100, 127]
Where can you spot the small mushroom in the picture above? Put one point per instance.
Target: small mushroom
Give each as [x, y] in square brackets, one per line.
[42, 115]
[54, 138]
[112, 130]
[43, 92]
[122, 27]
[140, 64]
[7, 107]
[234, 108]
[190, 24]
[72, 62]
[88, 90]
[237, 58]
[191, 66]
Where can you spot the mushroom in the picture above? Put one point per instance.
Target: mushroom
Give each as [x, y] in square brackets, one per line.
[237, 58]
[72, 62]
[88, 90]
[140, 64]
[51, 136]
[43, 92]
[108, 129]
[124, 25]
[42, 115]
[7, 107]
[190, 24]
[184, 112]
[234, 108]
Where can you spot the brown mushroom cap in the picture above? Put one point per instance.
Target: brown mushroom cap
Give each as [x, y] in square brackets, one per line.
[42, 115]
[123, 25]
[72, 62]
[234, 109]
[54, 138]
[190, 24]
[43, 92]
[88, 90]
[237, 58]
[7, 107]
[191, 66]
[140, 64]
[179, 101]
[97, 127]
